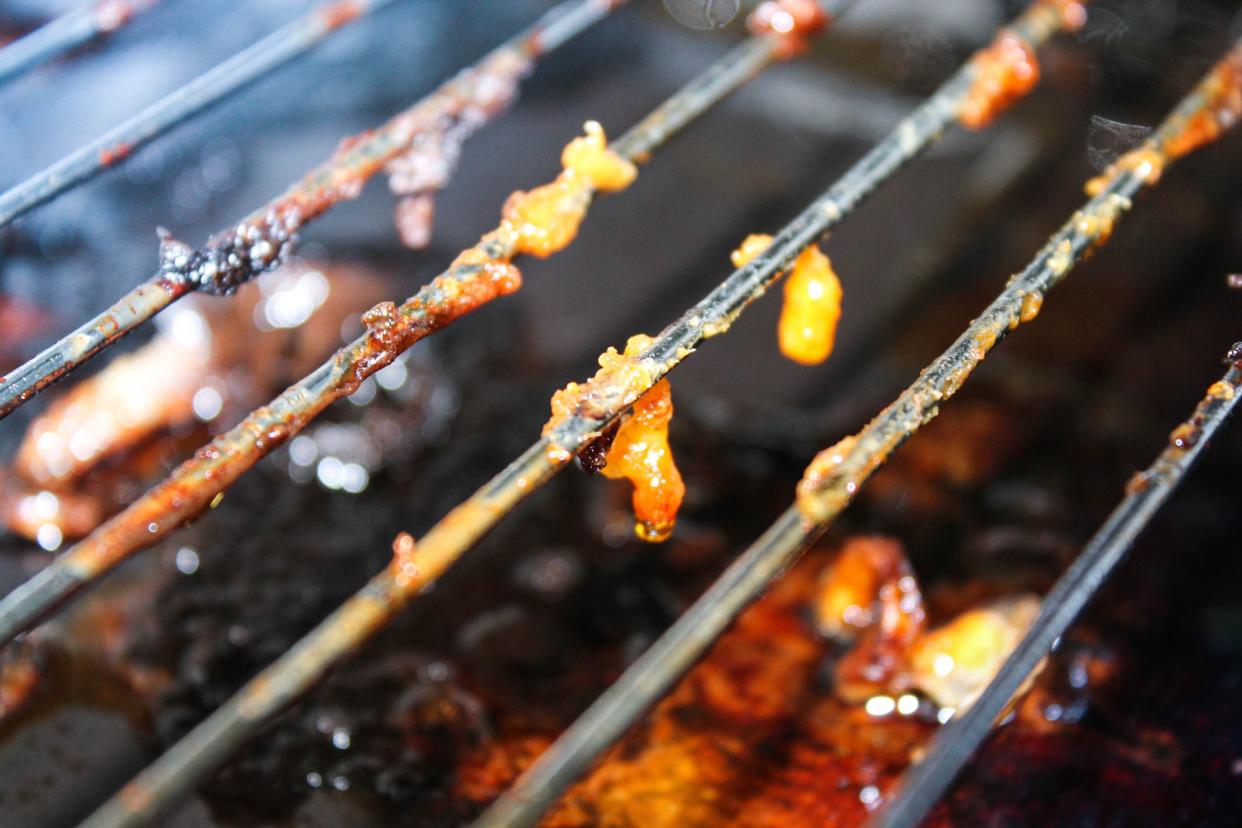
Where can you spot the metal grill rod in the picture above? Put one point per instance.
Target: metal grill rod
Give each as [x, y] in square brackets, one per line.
[951, 748]
[188, 762]
[69, 31]
[254, 62]
[341, 633]
[655, 672]
[260, 241]
[194, 484]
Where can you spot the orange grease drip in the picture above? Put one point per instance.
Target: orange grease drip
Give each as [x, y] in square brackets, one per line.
[807, 329]
[546, 219]
[1004, 72]
[641, 453]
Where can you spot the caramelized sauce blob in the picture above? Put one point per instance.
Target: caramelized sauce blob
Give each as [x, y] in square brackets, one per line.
[639, 450]
[808, 325]
[1221, 109]
[620, 376]
[1004, 72]
[641, 453]
[870, 591]
[546, 219]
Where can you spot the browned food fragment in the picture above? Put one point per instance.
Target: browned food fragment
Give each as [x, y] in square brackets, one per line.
[953, 664]
[106, 434]
[869, 593]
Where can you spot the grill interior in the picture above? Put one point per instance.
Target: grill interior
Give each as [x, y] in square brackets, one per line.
[436, 716]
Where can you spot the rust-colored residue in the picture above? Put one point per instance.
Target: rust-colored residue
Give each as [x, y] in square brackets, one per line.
[404, 566]
[1145, 161]
[194, 485]
[425, 167]
[748, 737]
[791, 22]
[641, 453]
[619, 382]
[1004, 72]
[547, 218]
[1221, 108]
[118, 152]
[335, 15]
[819, 472]
[477, 276]
[267, 236]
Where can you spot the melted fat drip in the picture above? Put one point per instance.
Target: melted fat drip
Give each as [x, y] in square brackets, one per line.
[641, 453]
[807, 329]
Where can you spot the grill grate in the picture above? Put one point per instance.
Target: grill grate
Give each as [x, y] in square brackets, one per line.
[471, 282]
[259, 242]
[66, 33]
[249, 65]
[834, 479]
[1147, 493]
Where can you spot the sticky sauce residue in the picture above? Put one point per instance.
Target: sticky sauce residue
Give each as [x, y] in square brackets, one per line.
[621, 377]
[546, 219]
[1219, 107]
[404, 565]
[1221, 110]
[808, 325]
[638, 450]
[641, 454]
[1004, 72]
[791, 22]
